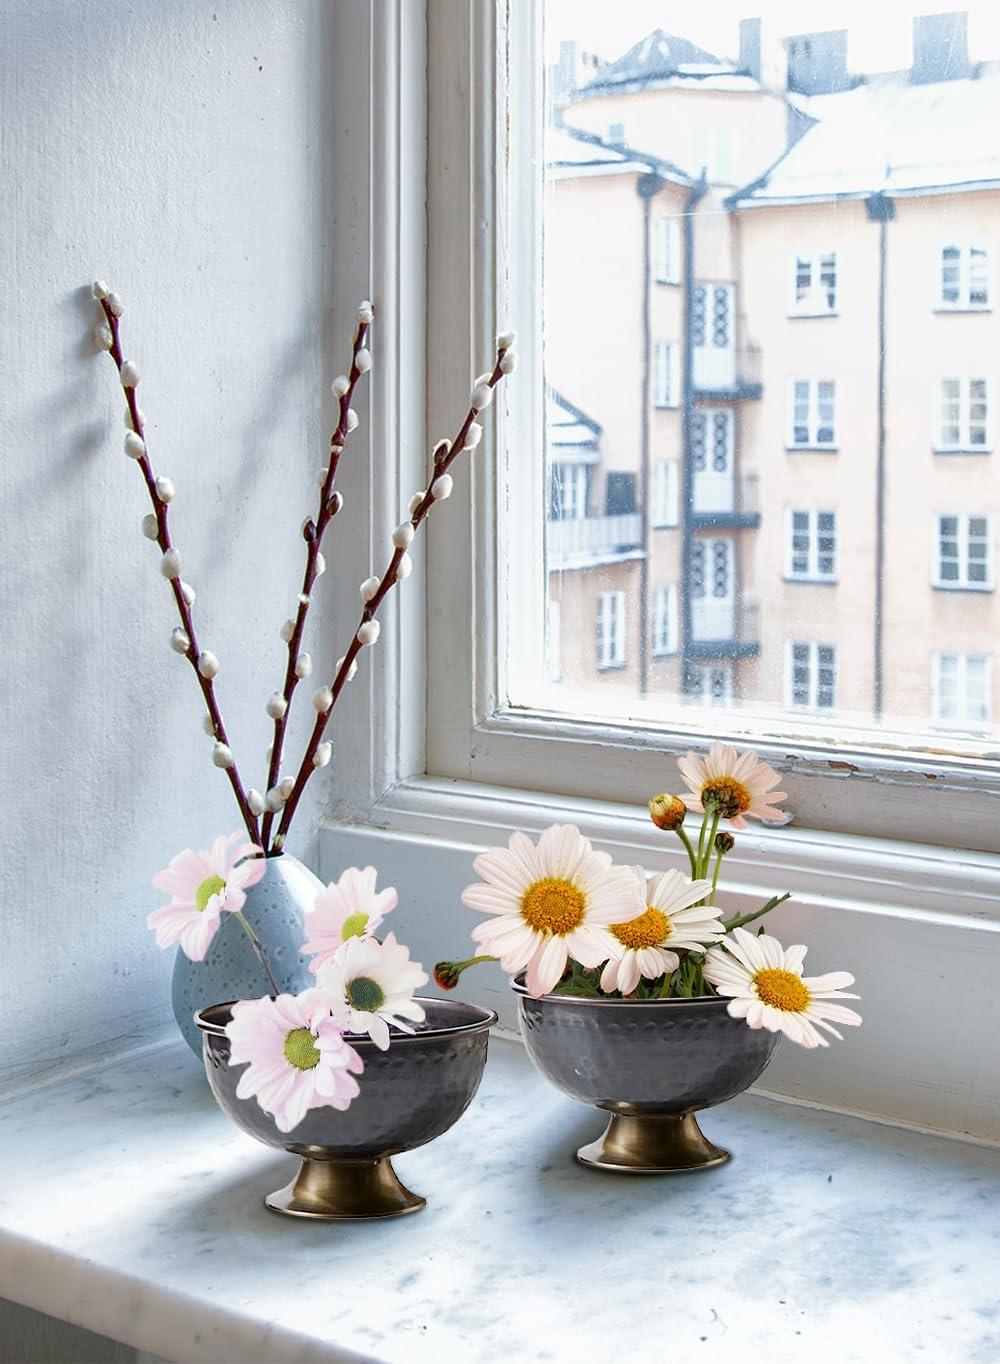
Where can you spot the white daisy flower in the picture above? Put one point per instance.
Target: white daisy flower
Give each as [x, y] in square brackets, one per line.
[345, 909]
[370, 984]
[550, 903]
[766, 987]
[645, 946]
[734, 784]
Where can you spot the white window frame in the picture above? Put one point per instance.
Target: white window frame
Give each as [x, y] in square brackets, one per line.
[961, 662]
[814, 302]
[963, 558]
[812, 423]
[666, 632]
[812, 705]
[667, 248]
[666, 373]
[964, 303]
[610, 628]
[962, 399]
[666, 494]
[812, 572]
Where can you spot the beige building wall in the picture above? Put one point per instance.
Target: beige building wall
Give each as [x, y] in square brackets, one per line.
[577, 591]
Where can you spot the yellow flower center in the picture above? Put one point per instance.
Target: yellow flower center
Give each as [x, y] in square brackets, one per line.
[301, 1050]
[354, 926]
[782, 989]
[365, 994]
[725, 796]
[553, 906]
[212, 885]
[648, 930]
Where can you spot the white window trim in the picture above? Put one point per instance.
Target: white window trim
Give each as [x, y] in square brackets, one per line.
[964, 445]
[797, 307]
[812, 574]
[666, 374]
[667, 248]
[666, 494]
[963, 305]
[961, 584]
[963, 655]
[613, 605]
[813, 443]
[672, 620]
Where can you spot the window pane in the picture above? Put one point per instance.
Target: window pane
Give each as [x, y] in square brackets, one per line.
[743, 436]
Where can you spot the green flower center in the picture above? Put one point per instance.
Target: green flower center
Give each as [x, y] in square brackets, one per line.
[300, 1049]
[354, 926]
[365, 994]
[212, 885]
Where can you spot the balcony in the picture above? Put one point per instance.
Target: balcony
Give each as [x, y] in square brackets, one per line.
[726, 372]
[586, 540]
[724, 628]
[725, 501]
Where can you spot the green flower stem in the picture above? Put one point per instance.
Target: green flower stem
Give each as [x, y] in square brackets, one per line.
[682, 835]
[739, 920]
[707, 855]
[715, 875]
[701, 840]
[258, 948]
[472, 961]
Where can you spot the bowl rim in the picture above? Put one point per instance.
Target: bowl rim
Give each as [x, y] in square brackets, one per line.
[519, 987]
[360, 1041]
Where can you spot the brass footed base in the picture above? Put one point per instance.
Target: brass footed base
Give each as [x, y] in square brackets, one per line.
[645, 1145]
[343, 1190]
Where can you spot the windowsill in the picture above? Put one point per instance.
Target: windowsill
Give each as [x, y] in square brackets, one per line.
[675, 283]
[962, 587]
[821, 449]
[809, 580]
[662, 655]
[666, 407]
[149, 1228]
[963, 308]
[666, 525]
[827, 312]
[962, 449]
[611, 667]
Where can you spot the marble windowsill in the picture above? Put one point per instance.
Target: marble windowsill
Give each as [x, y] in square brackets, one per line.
[130, 1206]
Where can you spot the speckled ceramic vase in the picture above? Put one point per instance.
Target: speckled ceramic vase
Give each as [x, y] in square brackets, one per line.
[275, 907]
[652, 1064]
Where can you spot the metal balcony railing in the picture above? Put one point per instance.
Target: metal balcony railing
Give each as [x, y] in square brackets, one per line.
[721, 494]
[727, 623]
[724, 370]
[588, 537]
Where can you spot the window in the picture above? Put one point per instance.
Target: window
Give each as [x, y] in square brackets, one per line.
[668, 250]
[811, 545]
[812, 419]
[666, 374]
[960, 690]
[568, 492]
[710, 684]
[665, 621]
[815, 284]
[553, 641]
[963, 553]
[965, 282]
[611, 630]
[811, 675]
[665, 493]
[616, 133]
[963, 415]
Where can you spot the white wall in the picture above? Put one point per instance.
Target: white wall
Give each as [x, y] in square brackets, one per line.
[182, 151]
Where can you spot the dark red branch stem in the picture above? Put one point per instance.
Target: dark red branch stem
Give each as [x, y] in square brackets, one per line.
[328, 508]
[163, 540]
[444, 457]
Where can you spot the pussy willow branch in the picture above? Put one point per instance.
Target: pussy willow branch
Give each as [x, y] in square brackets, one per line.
[163, 540]
[328, 508]
[444, 456]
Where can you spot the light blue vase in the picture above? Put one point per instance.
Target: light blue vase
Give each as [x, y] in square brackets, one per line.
[275, 908]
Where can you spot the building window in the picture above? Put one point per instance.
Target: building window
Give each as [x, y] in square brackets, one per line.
[616, 133]
[568, 492]
[811, 545]
[665, 494]
[960, 690]
[710, 684]
[666, 374]
[812, 418]
[668, 250]
[611, 630]
[815, 284]
[963, 553]
[665, 632]
[965, 277]
[964, 415]
[810, 675]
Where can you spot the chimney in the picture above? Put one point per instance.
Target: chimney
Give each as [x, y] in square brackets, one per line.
[750, 47]
[940, 47]
[817, 63]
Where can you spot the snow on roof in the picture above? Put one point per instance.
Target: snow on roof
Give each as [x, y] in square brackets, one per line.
[568, 425]
[659, 57]
[572, 152]
[889, 136]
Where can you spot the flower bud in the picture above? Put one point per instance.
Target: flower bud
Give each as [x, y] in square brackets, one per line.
[208, 664]
[276, 705]
[150, 526]
[506, 340]
[446, 975]
[208, 725]
[129, 374]
[274, 800]
[404, 568]
[334, 504]
[115, 306]
[303, 665]
[256, 802]
[99, 290]
[188, 593]
[402, 536]
[507, 362]
[103, 339]
[352, 670]
[319, 564]
[369, 587]
[365, 311]
[441, 487]
[135, 446]
[222, 755]
[352, 419]
[164, 490]
[340, 385]
[322, 700]
[473, 436]
[170, 564]
[287, 630]
[368, 632]
[323, 754]
[180, 643]
[308, 530]
[127, 417]
[363, 361]
[667, 812]
[415, 502]
[286, 786]
[480, 397]
[724, 842]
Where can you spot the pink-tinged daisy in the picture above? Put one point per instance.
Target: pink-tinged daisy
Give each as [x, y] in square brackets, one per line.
[550, 903]
[201, 885]
[731, 784]
[647, 945]
[370, 984]
[348, 908]
[767, 988]
[295, 1054]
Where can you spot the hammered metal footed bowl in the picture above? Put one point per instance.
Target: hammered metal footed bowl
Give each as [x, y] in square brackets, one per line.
[652, 1064]
[410, 1094]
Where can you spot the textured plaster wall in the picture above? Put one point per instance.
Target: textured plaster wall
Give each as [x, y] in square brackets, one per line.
[182, 151]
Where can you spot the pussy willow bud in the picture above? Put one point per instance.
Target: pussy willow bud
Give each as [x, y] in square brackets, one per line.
[667, 812]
